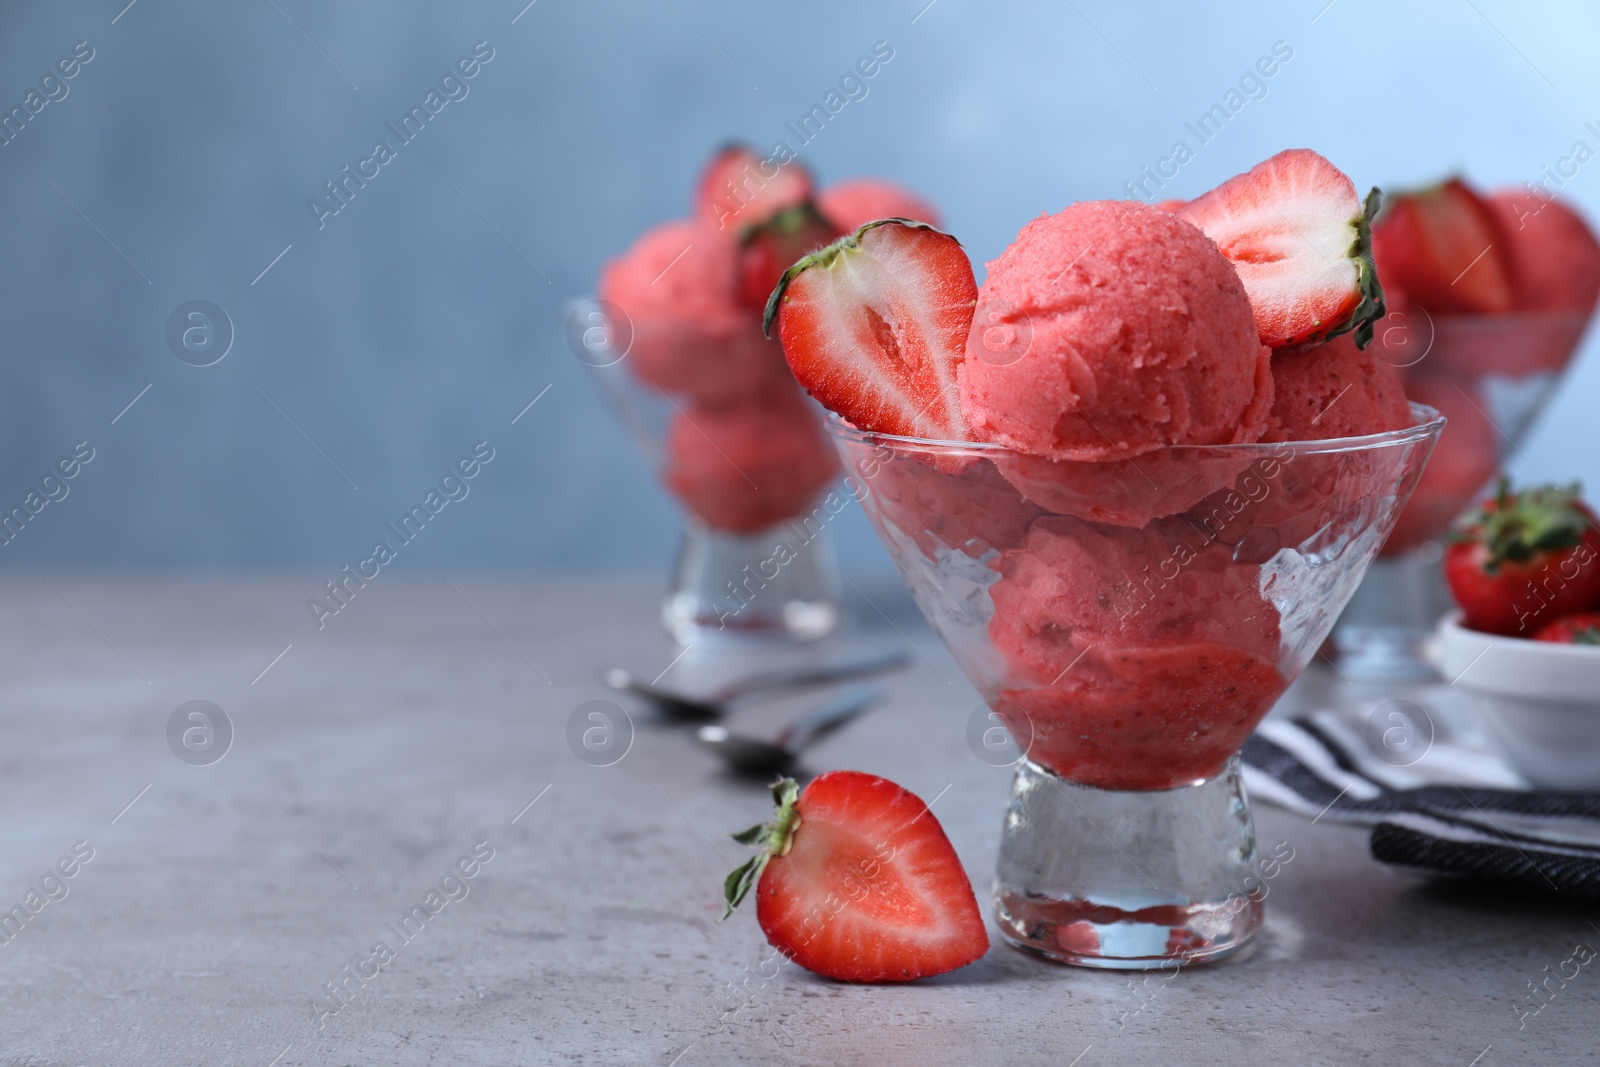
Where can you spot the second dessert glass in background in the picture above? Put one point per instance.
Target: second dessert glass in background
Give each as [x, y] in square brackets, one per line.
[1491, 376]
[752, 469]
[676, 341]
[1489, 296]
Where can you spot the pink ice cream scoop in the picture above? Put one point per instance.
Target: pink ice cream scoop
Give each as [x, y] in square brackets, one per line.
[1079, 590]
[1555, 258]
[971, 509]
[747, 466]
[1145, 717]
[677, 288]
[1154, 648]
[1110, 330]
[1334, 390]
[1462, 465]
[855, 201]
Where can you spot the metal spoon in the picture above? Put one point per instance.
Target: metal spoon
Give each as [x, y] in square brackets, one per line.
[748, 755]
[685, 708]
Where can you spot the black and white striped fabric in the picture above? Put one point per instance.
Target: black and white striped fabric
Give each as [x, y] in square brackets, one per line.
[1317, 766]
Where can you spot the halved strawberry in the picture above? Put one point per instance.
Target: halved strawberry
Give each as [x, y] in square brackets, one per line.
[875, 325]
[856, 880]
[771, 248]
[1444, 248]
[740, 190]
[1298, 235]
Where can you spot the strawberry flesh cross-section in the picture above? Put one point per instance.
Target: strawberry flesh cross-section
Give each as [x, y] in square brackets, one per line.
[1300, 238]
[875, 325]
[855, 880]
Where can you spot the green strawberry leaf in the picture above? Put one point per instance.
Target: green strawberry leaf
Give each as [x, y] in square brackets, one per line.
[1372, 307]
[1516, 527]
[769, 838]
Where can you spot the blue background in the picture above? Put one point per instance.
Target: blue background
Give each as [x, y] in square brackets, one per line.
[408, 327]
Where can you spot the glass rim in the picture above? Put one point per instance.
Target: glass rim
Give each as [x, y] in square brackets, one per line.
[1429, 425]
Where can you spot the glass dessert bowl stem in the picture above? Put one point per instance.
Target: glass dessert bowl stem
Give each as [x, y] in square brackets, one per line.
[746, 456]
[1125, 879]
[776, 584]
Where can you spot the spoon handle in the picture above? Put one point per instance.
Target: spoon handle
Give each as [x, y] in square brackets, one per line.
[814, 725]
[815, 675]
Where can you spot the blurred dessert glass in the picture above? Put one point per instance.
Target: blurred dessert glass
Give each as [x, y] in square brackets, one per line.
[741, 447]
[1490, 376]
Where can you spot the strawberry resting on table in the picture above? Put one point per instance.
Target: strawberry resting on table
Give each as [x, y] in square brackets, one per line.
[855, 880]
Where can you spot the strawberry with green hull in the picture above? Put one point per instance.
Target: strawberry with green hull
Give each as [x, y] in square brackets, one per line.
[1300, 238]
[875, 325]
[1523, 559]
[1444, 248]
[739, 190]
[1582, 628]
[767, 250]
[855, 880]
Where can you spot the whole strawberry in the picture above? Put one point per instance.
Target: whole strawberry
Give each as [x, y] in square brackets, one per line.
[856, 880]
[1524, 559]
[1580, 629]
[739, 190]
[767, 250]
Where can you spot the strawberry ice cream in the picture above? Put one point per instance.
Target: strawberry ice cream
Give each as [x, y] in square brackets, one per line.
[1462, 465]
[1076, 589]
[1146, 717]
[1334, 390]
[677, 288]
[744, 449]
[1555, 258]
[1111, 361]
[969, 508]
[1155, 650]
[855, 201]
[1497, 292]
[1133, 333]
[747, 466]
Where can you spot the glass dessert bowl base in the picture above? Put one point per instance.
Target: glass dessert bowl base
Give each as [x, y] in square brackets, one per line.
[1127, 879]
[778, 585]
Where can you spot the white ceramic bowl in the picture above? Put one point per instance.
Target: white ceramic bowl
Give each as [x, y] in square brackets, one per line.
[1538, 701]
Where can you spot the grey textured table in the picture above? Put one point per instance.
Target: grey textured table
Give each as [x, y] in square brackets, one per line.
[376, 754]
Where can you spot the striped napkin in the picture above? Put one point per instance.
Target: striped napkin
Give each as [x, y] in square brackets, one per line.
[1464, 814]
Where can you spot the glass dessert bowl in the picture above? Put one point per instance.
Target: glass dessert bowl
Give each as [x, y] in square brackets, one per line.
[1490, 375]
[739, 445]
[677, 339]
[1131, 622]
